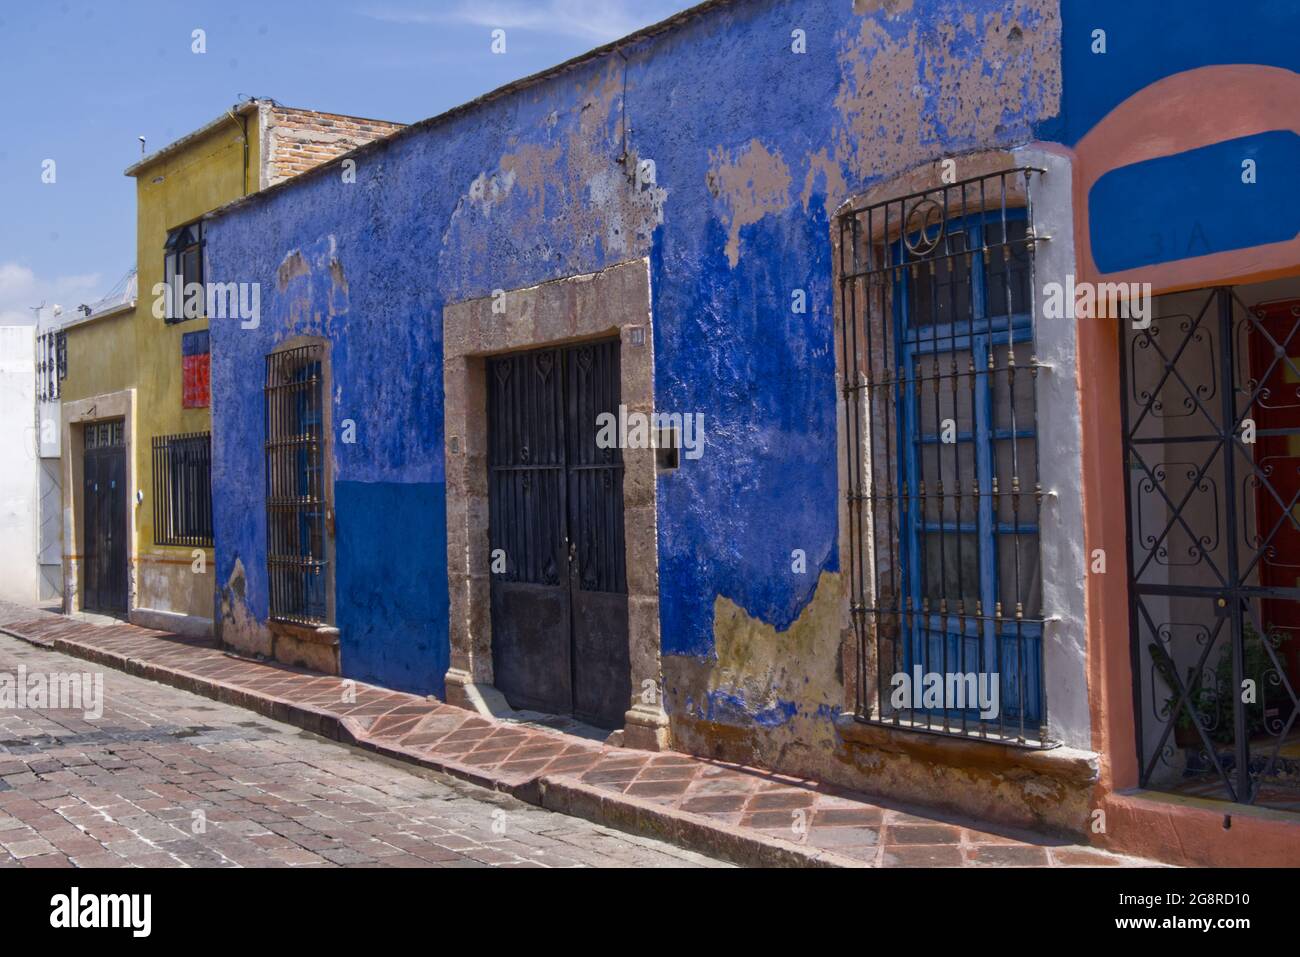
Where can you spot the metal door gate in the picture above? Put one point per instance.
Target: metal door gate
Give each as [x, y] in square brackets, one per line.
[104, 515]
[555, 500]
[1211, 417]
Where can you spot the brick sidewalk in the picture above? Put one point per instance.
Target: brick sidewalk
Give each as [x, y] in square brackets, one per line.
[743, 814]
[166, 778]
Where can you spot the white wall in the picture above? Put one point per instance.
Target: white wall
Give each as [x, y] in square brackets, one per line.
[18, 466]
[49, 509]
[1060, 461]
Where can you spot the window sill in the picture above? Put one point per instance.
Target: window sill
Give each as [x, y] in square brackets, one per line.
[326, 635]
[1066, 764]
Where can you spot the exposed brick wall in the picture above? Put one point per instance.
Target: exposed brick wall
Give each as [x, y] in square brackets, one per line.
[301, 139]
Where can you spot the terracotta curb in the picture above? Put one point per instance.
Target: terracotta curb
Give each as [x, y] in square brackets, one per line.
[523, 787]
[556, 793]
[680, 828]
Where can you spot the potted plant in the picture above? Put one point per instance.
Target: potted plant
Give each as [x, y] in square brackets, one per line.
[1208, 698]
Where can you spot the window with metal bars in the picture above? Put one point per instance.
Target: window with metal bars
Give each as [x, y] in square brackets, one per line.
[110, 434]
[51, 365]
[182, 489]
[937, 331]
[295, 485]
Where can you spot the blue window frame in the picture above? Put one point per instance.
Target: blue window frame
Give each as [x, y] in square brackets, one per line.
[967, 458]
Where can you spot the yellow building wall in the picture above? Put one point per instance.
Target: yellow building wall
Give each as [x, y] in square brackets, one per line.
[177, 190]
[101, 357]
[140, 351]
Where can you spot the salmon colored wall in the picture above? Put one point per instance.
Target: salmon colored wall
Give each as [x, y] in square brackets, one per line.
[1173, 115]
[1179, 113]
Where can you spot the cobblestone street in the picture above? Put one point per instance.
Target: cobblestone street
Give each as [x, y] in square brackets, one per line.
[166, 778]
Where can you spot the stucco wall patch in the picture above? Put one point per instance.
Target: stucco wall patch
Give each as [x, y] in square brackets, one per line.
[891, 8]
[944, 85]
[237, 627]
[789, 683]
[575, 171]
[748, 184]
[293, 266]
[316, 287]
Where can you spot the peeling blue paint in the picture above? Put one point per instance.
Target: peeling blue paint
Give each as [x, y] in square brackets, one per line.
[528, 188]
[828, 713]
[764, 378]
[730, 708]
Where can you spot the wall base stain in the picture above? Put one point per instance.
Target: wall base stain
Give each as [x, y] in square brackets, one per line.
[766, 692]
[770, 699]
[236, 627]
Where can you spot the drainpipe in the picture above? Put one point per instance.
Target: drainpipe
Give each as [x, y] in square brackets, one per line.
[243, 126]
[622, 158]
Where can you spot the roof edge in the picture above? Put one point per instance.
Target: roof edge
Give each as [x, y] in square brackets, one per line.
[241, 109]
[97, 316]
[514, 86]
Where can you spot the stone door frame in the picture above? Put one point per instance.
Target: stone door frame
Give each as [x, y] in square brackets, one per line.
[612, 302]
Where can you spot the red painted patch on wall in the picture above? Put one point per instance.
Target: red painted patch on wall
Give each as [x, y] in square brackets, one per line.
[196, 390]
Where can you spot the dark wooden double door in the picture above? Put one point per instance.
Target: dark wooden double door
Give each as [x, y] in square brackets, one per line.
[104, 516]
[559, 583]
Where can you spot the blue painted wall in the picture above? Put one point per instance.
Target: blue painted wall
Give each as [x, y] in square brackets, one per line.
[754, 147]
[1146, 42]
[1193, 202]
[392, 607]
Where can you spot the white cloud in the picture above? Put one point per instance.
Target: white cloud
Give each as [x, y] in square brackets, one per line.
[20, 289]
[596, 20]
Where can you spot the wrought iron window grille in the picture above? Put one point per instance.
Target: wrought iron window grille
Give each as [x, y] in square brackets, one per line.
[937, 300]
[107, 434]
[297, 563]
[1214, 542]
[182, 489]
[51, 365]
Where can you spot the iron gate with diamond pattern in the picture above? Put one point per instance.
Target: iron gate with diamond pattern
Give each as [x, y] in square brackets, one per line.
[1211, 416]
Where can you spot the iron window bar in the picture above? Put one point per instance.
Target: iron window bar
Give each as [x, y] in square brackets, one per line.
[182, 489]
[296, 505]
[51, 365]
[937, 299]
[104, 434]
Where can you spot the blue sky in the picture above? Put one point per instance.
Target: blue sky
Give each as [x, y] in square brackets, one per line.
[84, 78]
